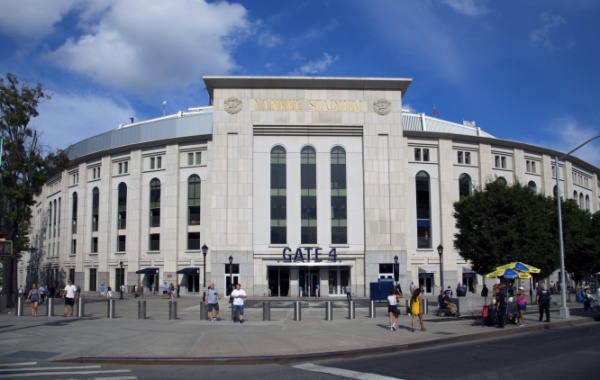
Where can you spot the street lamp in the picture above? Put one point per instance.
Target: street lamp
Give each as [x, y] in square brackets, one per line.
[563, 311]
[122, 279]
[440, 250]
[231, 272]
[396, 269]
[204, 252]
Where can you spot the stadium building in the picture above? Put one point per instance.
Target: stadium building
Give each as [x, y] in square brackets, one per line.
[284, 184]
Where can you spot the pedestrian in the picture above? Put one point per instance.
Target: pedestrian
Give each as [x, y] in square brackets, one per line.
[43, 294]
[318, 290]
[587, 298]
[484, 293]
[521, 304]
[178, 289]
[153, 287]
[238, 296]
[300, 290]
[393, 311]
[542, 299]
[141, 290]
[211, 300]
[348, 293]
[34, 297]
[171, 291]
[102, 290]
[448, 291]
[416, 309]
[165, 288]
[448, 304]
[501, 305]
[69, 296]
[412, 287]
[109, 291]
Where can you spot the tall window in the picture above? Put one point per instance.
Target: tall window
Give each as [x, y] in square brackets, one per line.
[308, 195]
[464, 185]
[423, 210]
[154, 243]
[74, 214]
[193, 200]
[278, 196]
[339, 221]
[95, 208]
[532, 186]
[54, 220]
[155, 203]
[122, 206]
[121, 243]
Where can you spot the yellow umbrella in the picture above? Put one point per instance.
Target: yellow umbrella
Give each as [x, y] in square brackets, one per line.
[521, 267]
[507, 273]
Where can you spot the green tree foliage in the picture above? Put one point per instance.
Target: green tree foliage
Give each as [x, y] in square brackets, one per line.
[505, 223]
[580, 238]
[25, 168]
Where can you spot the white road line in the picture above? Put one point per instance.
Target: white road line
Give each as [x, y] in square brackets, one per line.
[63, 373]
[116, 378]
[47, 368]
[17, 364]
[343, 372]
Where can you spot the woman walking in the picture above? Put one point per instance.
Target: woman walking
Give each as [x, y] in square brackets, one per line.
[416, 310]
[521, 304]
[393, 309]
[34, 298]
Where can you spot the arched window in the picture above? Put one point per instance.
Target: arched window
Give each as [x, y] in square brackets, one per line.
[532, 186]
[74, 214]
[464, 185]
[155, 203]
[193, 200]
[587, 202]
[502, 181]
[339, 221]
[575, 195]
[423, 202]
[308, 195]
[581, 201]
[95, 208]
[122, 206]
[278, 196]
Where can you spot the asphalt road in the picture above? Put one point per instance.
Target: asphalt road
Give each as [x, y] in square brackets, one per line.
[571, 352]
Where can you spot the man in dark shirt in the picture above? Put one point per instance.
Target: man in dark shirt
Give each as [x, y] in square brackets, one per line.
[543, 298]
[501, 307]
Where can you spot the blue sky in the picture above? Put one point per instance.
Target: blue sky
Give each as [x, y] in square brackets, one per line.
[526, 71]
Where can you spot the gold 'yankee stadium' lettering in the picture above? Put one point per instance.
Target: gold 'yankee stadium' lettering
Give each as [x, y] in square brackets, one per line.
[318, 105]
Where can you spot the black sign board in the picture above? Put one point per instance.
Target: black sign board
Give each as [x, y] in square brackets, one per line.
[5, 247]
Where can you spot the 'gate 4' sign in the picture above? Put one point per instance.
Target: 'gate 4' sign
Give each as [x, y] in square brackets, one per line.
[301, 253]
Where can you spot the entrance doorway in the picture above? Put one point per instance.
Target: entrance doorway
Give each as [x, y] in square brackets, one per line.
[339, 278]
[193, 283]
[279, 281]
[308, 279]
[426, 282]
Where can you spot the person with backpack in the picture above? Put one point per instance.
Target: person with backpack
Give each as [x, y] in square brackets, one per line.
[542, 299]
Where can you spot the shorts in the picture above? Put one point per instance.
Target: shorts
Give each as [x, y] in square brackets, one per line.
[214, 306]
[238, 309]
[522, 307]
[394, 309]
[69, 301]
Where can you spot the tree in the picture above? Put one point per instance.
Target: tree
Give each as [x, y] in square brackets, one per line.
[25, 168]
[580, 232]
[502, 223]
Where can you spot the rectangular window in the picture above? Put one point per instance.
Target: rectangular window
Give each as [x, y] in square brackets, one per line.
[155, 217]
[194, 217]
[152, 163]
[497, 161]
[93, 280]
[94, 245]
[190, 159]
[193, 240]
[74, 246]
[120, 168]
[154, 242]
[119, 278]
[503, 161]
[198, 156]
[460, 157]
[468, 158]
[72, 275]
[386, 271]
[121, 243]
[125, 167]
[417, 154]
[158, 162]
[426, 155]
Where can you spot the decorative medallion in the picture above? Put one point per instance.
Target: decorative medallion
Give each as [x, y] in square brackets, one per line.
[233, 105]
[382, 106]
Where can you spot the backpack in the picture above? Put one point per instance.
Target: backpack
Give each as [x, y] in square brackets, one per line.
[580, 296]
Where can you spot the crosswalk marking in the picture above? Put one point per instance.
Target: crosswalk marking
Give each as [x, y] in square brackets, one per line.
[343, 372]
[29, 369]
[47, 368]
[64, 373]
[16, 364]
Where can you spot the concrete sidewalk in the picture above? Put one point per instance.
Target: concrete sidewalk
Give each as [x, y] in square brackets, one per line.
[156, 339]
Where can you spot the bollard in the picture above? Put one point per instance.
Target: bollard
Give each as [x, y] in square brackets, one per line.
[266, 310]
[80, 308]
[351, 310]
[328, 310]
[111, 309]
[297, 311]
[425, 310]
[203, 311]
[20, 306]
[141, 309]
[172, 309]
[50, 307]
[372, 310]
[407, 302]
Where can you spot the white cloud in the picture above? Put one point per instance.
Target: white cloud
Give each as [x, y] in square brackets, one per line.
[32, 19]
[145, 45]
[316, 66]
[467, 7]
[544, 36]
[69, 118]
[269, 40]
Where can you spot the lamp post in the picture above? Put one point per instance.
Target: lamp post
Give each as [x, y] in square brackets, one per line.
[204, 252]
[122, 279]
[440, 250]
[230, 272]
[396, 270]
[563, 311]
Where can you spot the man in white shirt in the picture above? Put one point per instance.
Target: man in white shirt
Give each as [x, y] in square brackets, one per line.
[69, 296]
[238, 296]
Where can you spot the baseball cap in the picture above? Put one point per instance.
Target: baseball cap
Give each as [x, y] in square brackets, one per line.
[521, 288]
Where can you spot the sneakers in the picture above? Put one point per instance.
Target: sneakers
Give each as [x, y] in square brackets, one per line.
[64, 315]
[242, 320]
[392, 328]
